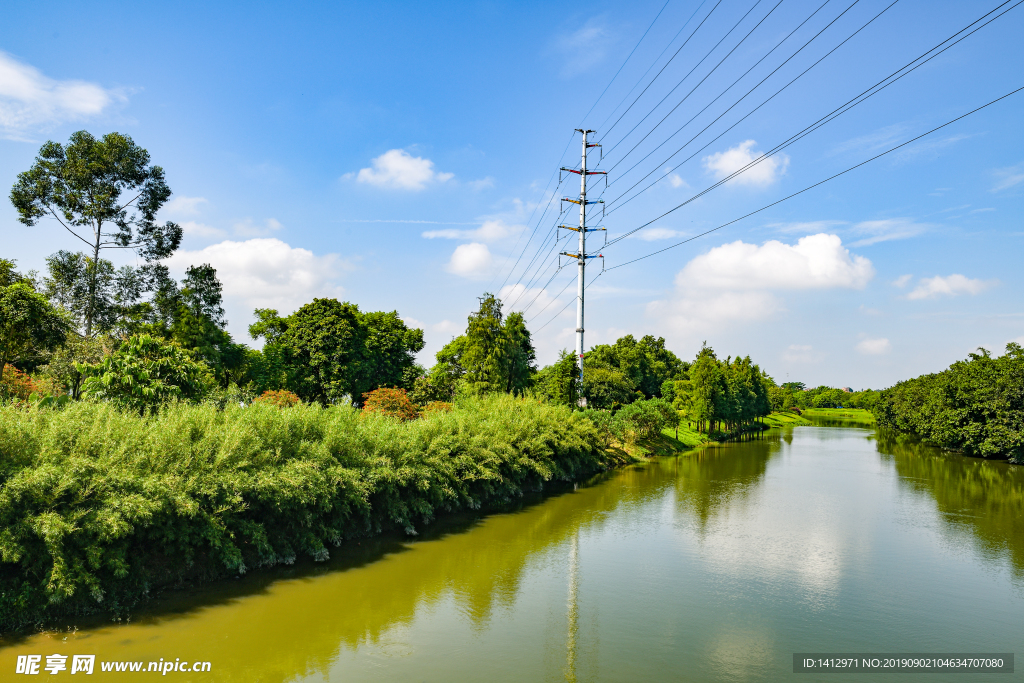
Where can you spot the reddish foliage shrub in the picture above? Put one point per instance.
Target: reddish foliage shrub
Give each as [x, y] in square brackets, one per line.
[393, 402]
[282, 398]
[17, 384]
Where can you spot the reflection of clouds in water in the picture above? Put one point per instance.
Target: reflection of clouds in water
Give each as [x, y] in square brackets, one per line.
[741, 653]
[782, 548]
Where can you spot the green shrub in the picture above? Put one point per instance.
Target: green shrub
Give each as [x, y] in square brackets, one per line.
[100, 505]
[146, 372]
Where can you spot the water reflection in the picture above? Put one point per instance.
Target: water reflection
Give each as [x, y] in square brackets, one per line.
[983, 499]
[714, 478]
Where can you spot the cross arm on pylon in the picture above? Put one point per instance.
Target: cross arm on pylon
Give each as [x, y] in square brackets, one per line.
[577, 201]
[577, 171]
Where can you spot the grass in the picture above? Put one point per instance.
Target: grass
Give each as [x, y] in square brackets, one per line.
[843, 414]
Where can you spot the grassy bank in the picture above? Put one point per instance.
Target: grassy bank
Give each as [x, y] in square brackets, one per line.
[858, 415]
[98, 507]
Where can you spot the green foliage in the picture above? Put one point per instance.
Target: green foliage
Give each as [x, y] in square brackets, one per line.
[647, 364]
[145, 373]
[327, 350]
[81, 186]
[725, 394]
[28, 321]
[608, 388]
[560, 382]
[975, 406]
[99, 506]
[497, 354]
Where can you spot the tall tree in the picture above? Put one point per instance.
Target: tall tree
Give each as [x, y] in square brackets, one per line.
[331, 349]
[81, 186]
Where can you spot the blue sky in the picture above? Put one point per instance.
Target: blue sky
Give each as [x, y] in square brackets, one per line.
[400, 156]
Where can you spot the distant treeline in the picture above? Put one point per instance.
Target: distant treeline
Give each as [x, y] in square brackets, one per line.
[975, 406]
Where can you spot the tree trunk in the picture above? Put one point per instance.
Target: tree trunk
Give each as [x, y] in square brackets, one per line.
[92, 280]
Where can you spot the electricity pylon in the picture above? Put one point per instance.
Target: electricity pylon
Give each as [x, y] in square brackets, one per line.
[582, 256]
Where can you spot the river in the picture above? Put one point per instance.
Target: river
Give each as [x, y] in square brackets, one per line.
[712, 566]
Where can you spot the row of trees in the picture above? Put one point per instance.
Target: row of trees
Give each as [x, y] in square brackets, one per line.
[721, 395]
[975, 406]
[797, 395]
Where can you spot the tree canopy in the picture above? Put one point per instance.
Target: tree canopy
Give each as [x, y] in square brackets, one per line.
[27, 319]
[90, 184]
[329, 349]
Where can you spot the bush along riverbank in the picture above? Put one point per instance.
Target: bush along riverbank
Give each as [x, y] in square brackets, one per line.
[976, 406]
[99, 507]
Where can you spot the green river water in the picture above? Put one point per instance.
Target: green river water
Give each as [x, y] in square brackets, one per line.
[712, 566]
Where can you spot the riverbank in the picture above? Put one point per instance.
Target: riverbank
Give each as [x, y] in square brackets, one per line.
[100, 508]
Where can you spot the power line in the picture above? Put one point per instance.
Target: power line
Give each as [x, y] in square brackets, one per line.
[820, 182]
[653, 64]
[664, 67]
[721, 94]
[752, 111]
[693, 89]
[708, 54]
[863, 96]
[626, 60]
[571, 301]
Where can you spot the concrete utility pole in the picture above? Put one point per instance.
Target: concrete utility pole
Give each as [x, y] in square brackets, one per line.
[582, 256]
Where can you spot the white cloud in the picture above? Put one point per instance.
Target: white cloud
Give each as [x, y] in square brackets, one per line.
[195, 229]
[874, 347]
[886, 230]
[471, 260]
[736, 281]
[397, 169]
[489, 231]
[902, 281]
[181, 205]
[676, 181]
[30, 101]
[655, 234]
[248, 228]
[583, 48]
[481, 184]
[952, 285]
[806, 227]
[814, 262]
[1008, 177]
[929, 149]
[266, 273]
[872, 142]
[762, 174]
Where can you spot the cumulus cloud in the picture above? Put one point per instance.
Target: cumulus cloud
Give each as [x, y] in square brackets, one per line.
[814, 262]
[489, 231]
[767, 171]
[266, 273]
[397, 169]
[738, 281]
[952, 285]
[31, 102]
[874, 347]
[471, 260]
